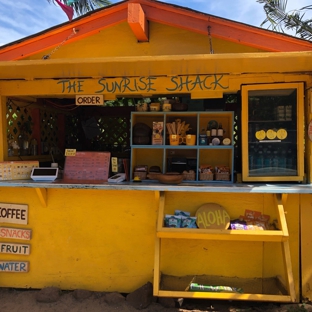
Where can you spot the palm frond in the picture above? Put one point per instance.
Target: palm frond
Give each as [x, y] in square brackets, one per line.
[279, 19]
[83, 6]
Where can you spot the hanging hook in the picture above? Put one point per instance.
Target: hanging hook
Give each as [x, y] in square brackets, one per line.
[210, 40]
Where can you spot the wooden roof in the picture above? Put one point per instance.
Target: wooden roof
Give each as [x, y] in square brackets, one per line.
[138, 13]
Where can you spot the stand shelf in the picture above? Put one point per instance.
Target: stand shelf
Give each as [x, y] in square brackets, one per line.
[179, 158]
[281, 292]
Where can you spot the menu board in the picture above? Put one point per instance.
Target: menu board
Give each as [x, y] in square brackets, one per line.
[90, 167]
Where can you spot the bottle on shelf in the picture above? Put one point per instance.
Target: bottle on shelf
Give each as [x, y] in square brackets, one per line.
[267, 159]
[259, 160]
[251, 161]
[33, 147]
[213, 132]
[213, 135]
[220, 131]
[289, 159]
[275, 161]
[208, 133]
[203, 137]
[282, 160]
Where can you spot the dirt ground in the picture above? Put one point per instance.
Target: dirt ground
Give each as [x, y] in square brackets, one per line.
[17, 300]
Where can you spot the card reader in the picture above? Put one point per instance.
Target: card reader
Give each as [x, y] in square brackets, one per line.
[48, 174]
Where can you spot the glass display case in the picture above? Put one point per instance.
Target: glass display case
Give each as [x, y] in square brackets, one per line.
[273, 132]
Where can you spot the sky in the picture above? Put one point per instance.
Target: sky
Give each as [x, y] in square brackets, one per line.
[22, 18]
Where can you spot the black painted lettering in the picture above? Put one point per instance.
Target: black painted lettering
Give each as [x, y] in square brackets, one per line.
[63, 83]
[143, 85]
[197, 82]
[126, 83]
[216, 83]
[173, 80]
[100, 82]
[150, 83]
[80, 84]
[15, 248]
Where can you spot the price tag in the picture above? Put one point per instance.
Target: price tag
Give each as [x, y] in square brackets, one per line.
[70, 152]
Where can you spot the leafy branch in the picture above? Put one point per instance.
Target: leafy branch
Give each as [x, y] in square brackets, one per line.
[279, 19]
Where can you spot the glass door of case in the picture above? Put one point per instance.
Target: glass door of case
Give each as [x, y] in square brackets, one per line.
[272, 132]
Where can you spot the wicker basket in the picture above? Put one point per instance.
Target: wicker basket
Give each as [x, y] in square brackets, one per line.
[207, 176]
[222, 176]
[190, 176]
[141, 174]
[17, 170]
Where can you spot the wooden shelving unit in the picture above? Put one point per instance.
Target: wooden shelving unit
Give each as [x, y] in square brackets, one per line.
[287, 293]
[159, 155]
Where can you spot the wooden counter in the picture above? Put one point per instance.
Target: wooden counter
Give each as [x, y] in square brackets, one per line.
[295, 188]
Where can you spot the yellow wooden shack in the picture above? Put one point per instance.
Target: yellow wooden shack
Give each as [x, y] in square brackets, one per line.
[111, 236]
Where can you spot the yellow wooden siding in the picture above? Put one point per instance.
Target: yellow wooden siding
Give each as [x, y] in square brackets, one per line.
[119, 40]
[98, 240]
[306, 243]
[104, 240]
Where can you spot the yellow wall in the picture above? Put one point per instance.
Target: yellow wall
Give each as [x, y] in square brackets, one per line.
[164, 40]
[85, 239]
[306, 243]
[104, 240]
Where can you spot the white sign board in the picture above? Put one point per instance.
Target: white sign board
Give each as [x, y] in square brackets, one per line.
[14, 266]
[6, 232]
[90, 99]
[13, 213]
[16, 249]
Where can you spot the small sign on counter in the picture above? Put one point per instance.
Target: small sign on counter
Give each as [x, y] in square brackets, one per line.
[70, 152]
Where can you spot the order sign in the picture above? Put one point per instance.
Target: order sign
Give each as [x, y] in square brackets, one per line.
[90, 99]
